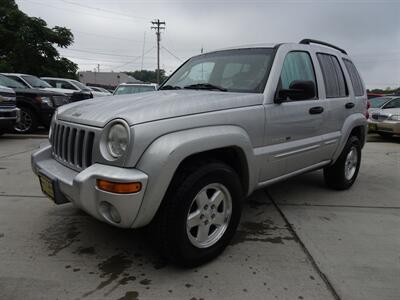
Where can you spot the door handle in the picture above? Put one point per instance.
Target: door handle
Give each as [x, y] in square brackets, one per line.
[349, 105]
[316, 110]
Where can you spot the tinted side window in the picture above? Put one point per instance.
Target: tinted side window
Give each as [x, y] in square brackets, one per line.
[335, 84]
[393, 104]
[64, 85]
[51, 82]
[355, 78]
[297, 66]
[19, 80]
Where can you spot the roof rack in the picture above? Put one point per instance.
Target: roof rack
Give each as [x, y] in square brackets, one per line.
[309, 41]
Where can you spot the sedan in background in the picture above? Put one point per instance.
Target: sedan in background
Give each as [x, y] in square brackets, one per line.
[134, 88]
[385, 120]
[99, 92]
[75, 89]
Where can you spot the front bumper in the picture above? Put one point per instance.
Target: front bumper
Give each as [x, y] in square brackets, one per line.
[386, 126]
[80, 187]
[10, 114]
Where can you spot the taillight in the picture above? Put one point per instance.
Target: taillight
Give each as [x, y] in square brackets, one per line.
[366, 111]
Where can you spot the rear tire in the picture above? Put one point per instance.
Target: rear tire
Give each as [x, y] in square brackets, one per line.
[28, 123]
[343, 173]
[191, 227]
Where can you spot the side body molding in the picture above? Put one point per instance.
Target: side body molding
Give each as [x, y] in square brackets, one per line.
[353, 121]
[163, 156]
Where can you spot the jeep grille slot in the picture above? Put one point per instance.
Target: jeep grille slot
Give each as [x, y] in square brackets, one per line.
[72, 146]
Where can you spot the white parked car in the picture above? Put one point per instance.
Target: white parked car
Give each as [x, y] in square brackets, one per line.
[135, 88]
[99, 92]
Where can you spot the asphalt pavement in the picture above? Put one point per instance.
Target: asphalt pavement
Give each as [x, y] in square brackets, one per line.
[297, 240]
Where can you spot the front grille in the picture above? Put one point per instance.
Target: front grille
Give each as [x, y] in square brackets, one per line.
[60, 100]
[72, 145]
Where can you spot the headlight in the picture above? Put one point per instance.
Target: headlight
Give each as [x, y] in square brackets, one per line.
[46, 100]
[117, 140]
[52, 122]
[395, 118]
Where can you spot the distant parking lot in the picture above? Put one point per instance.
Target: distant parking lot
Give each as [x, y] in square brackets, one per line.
[297, 240]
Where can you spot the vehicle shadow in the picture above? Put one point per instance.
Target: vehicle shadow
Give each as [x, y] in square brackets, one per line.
[376, 138]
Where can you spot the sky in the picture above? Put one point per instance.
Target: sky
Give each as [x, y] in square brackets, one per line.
[115, 34]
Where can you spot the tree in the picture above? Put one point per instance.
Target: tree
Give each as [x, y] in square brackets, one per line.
[147, 75]
[27, 44]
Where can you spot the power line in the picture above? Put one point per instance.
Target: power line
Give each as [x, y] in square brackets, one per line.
[158, 26]
[107, 36]
[73, 10]
[104, 10]
[171, 53]
[130, 62]
[102, 53]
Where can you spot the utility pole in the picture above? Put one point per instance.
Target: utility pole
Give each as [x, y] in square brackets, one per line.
[144, 42]
[158, 26]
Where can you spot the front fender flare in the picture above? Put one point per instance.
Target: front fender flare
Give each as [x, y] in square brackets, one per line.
[163, 156]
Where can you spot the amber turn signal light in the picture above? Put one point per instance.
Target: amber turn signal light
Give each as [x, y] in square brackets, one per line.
[119, 187]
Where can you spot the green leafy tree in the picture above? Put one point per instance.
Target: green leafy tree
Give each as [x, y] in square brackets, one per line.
[148, 76]
[28, 45]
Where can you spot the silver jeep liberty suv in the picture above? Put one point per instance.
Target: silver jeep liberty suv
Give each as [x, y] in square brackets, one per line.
[182, 159]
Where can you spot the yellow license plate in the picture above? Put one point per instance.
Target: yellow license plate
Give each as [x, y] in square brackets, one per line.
[372, 127]
[47, 186]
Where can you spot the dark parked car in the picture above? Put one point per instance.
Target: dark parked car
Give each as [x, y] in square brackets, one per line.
[9, 113]
[37, 106]
[74, 89]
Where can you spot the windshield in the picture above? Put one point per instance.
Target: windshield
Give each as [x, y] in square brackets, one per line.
[11, 83]
[378, 102]
[80, 85]
[36, 82]
[133, 89]
[240, 70]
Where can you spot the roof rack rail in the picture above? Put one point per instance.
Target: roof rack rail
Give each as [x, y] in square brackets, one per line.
[309, 41]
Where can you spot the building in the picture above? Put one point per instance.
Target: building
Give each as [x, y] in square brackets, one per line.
[105, 79]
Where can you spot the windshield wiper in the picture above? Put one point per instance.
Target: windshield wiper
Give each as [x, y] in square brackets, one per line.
[205, 86]
[170, 87]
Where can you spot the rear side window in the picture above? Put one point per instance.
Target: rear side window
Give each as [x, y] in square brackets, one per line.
[355, 77]
[335, 84]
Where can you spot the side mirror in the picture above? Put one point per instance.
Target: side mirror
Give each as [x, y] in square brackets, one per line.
[298, 90]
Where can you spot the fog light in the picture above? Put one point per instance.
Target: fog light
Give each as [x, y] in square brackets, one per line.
[119, 187]
[110, 212]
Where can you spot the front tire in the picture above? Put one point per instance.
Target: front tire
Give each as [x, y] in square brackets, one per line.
[200, 213]
[28, 122]
[343, 173]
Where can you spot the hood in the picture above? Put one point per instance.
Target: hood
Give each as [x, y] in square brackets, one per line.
[152, 106]
[6, 90]
[388, 112]
[38, 92]
[63, 91]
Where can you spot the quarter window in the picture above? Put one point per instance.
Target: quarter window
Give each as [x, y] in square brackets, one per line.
[354, 77]
[335, 83]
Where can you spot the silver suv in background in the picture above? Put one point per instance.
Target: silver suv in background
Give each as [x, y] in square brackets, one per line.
[9, 113]
[182, 160]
